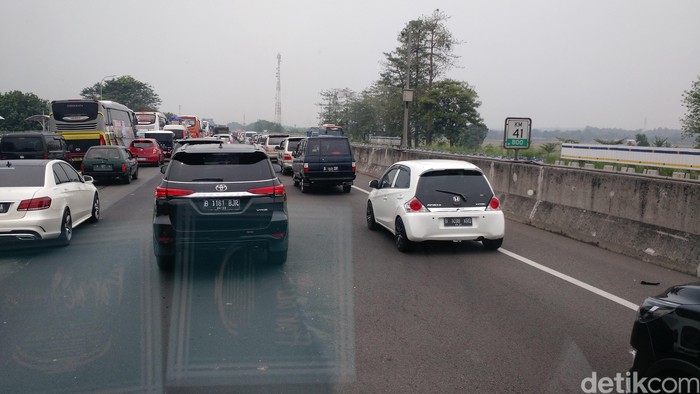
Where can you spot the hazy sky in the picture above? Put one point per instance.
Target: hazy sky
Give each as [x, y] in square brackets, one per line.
[604, 63]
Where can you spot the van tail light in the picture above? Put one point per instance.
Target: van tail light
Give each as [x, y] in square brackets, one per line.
[277, 191]
[164, 192]
[34, 204]
[306, 167]
[353, 166]
[494, 204]
[414, 205]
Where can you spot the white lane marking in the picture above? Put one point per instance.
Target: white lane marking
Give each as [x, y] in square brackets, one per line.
[362, 190]
[571, 280]
[560, 275]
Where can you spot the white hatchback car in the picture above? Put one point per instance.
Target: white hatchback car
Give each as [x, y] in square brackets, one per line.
[436, 200]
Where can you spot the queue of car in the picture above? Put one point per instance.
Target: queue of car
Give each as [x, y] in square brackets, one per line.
[232, 197]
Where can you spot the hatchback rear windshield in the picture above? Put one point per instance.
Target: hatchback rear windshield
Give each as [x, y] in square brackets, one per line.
[220, 167]
[453, 188]
[21, 144]
[21, 176]
[331, 146]
[142, 144]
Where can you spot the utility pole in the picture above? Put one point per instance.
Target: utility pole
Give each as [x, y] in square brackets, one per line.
[407, 94]
[278, 95]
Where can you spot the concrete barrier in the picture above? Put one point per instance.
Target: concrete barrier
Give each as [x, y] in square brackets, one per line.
[654, 219]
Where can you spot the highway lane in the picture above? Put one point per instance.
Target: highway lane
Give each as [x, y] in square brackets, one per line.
[347, 313]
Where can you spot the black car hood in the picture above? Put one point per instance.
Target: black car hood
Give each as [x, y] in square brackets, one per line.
[688, 294]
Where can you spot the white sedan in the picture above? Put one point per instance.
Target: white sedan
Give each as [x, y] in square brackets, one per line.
[44, 200]
[436, 200]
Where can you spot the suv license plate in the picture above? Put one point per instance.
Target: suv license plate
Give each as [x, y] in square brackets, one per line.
[221, 204]
[333, 168]
[457, 222]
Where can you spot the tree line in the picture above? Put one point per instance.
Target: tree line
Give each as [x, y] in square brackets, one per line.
[443, 109]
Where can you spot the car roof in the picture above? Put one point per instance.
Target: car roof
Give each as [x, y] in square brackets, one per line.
[27, 162]
[437, 164]
[107, 147]
[327, 136]
[158, 131]
[31, 134]
[220, 147]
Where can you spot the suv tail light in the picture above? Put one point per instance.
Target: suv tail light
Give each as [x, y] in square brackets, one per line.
[35, 204]
[414, 205]
[353, 166]
[277, 190]
[494, 204]
[164, 192]
[306, 167]
[288, 157]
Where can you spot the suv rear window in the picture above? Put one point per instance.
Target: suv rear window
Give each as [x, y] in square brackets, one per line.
[330, 146]
[453, 188]
[275, 140]
[220, 167]
[21, 144]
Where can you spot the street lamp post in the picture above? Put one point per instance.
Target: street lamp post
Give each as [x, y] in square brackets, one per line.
[102, 80]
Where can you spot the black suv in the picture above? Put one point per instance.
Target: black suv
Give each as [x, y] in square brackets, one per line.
[323, 160]
[666, 335]
[220, 196]
[33, 145]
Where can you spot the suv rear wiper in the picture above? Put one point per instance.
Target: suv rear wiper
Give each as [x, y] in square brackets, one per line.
[464, 197]
[207, 180]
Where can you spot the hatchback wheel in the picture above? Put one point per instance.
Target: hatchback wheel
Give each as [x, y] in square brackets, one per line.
[403, 244]
[66, 228]
[371, 221]
[127, 178]
[136, 173]
[492, 244]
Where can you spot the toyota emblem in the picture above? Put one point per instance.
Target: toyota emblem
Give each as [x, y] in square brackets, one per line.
[221, 188]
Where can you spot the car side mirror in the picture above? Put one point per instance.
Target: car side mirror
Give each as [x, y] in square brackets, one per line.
[163, 168]
[88, 179]
[374, 184]
[278, 147]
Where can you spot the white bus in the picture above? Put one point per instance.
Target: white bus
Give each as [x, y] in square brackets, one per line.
[150, 121]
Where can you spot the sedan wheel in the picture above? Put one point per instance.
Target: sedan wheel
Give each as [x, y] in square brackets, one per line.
[403, 244]
[371, 222]
[66, 229]
[95, 216]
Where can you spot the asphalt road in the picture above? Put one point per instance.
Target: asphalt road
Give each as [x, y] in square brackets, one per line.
[347, 313]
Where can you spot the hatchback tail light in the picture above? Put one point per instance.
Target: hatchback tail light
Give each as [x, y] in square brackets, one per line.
[494, 204]
[414, 205]
[35, 204]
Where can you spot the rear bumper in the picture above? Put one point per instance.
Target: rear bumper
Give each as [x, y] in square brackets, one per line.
[326, 179]
[166, 240]
[429, 226]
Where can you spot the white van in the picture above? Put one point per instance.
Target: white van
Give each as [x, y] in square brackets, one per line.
[150, 121]
[179, 130]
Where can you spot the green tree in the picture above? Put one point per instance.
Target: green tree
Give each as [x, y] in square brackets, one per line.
[264, 125]
[690, 123]
[642, 139]
[335, 106]
[425, 53]
[474, 136]
[137, 95]
[661, 142]
[16, 106]
[451, 106]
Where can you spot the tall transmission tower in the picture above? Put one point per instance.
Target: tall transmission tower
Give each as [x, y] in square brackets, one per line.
[278, 96]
